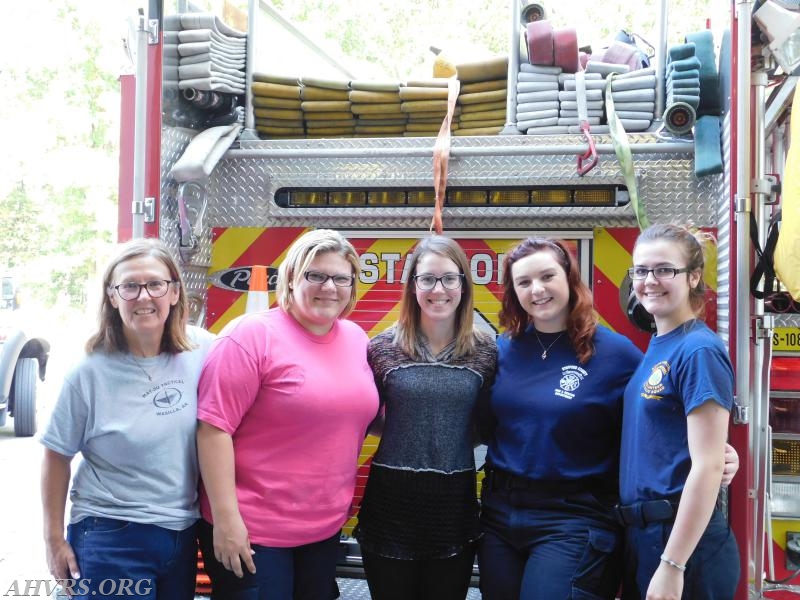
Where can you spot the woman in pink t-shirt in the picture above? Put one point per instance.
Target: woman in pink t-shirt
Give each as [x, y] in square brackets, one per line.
[285, 399]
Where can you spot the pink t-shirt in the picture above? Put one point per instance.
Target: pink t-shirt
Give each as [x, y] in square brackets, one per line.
[297, 406]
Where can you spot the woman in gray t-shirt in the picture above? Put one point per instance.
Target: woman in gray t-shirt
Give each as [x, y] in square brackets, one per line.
[130, 408]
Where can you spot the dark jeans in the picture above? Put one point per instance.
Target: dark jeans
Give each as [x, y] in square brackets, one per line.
[543, 547]
[712, 572]
[133, 559]
[299, 573]
[434, 579]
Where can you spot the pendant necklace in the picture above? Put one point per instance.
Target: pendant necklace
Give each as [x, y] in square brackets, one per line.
[545, 350]
[141, 368]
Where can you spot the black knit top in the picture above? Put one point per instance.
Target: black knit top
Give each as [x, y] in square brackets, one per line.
[420, 499]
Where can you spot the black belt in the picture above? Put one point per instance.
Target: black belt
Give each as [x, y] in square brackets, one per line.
[503, 480]
[650, 511]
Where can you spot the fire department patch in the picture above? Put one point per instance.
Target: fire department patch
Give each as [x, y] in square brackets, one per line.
[653, 387]
[571, 377]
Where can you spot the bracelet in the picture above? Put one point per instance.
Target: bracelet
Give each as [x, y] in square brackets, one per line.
[672, 563]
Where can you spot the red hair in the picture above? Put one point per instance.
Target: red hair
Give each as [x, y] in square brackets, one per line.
[581, 320]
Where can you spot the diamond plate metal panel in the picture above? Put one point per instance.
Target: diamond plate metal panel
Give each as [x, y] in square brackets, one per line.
[787, 320]
[173, 143]
[241, 190]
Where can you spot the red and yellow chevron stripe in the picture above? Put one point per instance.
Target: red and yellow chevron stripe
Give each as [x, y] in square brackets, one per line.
[379, 288]
[612, 253]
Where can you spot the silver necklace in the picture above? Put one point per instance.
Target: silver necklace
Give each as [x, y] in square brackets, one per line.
[544, 350]
[141, 368]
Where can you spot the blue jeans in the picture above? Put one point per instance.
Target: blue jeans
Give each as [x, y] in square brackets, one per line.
[712, 572]
[300, 573]
[544, 547]
[133, 559]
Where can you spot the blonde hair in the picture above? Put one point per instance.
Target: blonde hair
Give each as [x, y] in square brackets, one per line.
[303, 252]
[110, 336]
[410, 312]
[693, 242]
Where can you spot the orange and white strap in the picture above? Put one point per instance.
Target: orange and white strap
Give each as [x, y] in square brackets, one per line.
[441, 155]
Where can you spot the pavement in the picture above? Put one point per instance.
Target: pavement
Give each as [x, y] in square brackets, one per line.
[21, 545]
[22, 555]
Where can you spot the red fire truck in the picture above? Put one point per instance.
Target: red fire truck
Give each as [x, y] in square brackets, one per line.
[379, 192]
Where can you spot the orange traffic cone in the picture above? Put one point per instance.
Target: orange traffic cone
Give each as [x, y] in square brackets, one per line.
[258, 294]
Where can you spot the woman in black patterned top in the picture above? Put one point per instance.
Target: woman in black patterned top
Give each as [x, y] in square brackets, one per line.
[418, 522]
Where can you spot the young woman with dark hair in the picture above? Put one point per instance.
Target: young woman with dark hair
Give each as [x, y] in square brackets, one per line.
[552, 462]
[418, 523]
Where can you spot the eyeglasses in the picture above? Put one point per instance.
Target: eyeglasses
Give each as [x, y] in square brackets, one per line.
[658, 272]
[339, 280]
[450, 281]
[155, 289]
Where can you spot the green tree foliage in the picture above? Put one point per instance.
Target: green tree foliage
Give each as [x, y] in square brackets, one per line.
[57, 110]
[96, 82]
[19, 216]
[74, 227]
[394, 35]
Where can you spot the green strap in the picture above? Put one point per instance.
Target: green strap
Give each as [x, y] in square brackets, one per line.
[622, 148]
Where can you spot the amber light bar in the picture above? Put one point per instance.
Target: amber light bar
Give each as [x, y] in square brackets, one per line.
[608, 195]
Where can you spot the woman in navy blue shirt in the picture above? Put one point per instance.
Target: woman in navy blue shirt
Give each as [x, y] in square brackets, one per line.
[552, 462]
[677, 406]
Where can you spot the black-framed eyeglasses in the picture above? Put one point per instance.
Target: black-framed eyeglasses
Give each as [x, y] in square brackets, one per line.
[339, 280]
[658, 272]
[130, 290]
[450, 281]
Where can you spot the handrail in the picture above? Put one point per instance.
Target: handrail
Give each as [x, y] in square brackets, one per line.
[746, 404]
[140, 129]
[661, 56]
[510, 127]
[455, 151]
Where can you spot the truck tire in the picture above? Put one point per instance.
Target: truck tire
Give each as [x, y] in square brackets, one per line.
[25, 376]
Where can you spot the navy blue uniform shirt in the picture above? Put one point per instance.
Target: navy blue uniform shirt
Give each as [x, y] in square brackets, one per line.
[557, 419]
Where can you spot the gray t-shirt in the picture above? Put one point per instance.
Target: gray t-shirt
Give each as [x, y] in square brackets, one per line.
[137, 437]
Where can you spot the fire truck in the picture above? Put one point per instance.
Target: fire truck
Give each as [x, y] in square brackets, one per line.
[593, 190]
